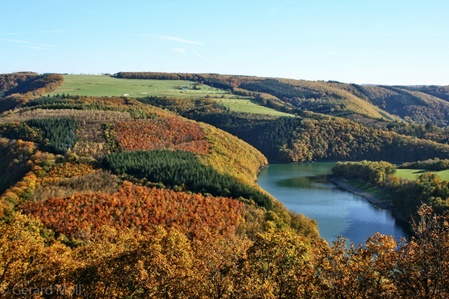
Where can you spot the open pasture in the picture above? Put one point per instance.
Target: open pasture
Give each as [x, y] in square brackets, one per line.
[412, 174]
[247, 106]
[101, 85]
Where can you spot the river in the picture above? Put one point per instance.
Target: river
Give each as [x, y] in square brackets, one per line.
[306, 189]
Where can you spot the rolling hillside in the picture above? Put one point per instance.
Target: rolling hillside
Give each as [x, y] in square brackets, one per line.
[281, 94]
[54, 146]
[416, 104]
[411, 105]
[118, 197]
[103, 85]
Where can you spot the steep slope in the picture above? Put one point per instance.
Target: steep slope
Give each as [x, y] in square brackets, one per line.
[409, 104]
[319, 97]
[320, 138]
[441, 92]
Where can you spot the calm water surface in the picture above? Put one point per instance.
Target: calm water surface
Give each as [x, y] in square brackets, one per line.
[306, 189]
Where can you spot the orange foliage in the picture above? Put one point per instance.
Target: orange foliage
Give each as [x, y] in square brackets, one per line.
[173, 133]
[25, 146]
[67, 170]
[132, 206]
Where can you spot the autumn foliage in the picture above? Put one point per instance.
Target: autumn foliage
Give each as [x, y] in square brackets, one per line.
[184, 171]
[68, 223]
[173, 133]
[168, 263]
[20, 88]
[137, 207]
[11, 81]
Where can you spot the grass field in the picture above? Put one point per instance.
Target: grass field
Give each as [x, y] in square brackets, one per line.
[244, 105]
[412, 174]
[100, 85]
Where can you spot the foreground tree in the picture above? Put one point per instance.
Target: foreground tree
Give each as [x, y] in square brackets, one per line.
[28, 266]
[423, 267]
[276, 266]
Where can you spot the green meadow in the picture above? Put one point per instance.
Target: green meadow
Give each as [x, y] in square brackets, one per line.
[102, 85]
[412, 174]
[246, 105]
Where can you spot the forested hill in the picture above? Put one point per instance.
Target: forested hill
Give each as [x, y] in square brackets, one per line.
[316, 137]
[19, 88]
[421, 104]
[72, 148]
[80, 173]
[113, 197]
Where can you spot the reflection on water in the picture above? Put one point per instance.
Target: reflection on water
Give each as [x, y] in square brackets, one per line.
[305, 182]
[306, 189]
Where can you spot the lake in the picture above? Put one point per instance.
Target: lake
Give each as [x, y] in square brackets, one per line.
[306, 189]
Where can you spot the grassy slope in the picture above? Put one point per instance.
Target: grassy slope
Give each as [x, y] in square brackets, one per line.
[247, 106]
[374, 102]
[93, 85]
[99, 85]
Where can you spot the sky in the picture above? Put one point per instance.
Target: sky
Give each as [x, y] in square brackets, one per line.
[393, 42]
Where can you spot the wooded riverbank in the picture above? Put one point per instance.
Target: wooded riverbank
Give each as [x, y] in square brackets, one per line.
[378, 202]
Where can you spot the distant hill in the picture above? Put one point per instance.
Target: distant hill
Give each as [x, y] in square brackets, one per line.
[19, 88]
[441, 92]
[282, 94]
[419, 104]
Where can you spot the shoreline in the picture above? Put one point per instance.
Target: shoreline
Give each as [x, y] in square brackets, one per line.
[376, 201]
[368, 196]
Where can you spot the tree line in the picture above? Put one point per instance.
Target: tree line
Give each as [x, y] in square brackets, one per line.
[407, 195]
[429, 165]
[11, 81]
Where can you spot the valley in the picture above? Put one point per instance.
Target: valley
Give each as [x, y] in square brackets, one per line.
[166, 171]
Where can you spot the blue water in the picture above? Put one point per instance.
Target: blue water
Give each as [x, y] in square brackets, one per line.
[306, 189]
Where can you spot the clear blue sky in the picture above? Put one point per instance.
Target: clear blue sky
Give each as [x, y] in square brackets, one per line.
[358, 41]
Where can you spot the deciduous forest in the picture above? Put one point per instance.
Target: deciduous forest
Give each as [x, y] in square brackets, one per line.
[155, 197]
